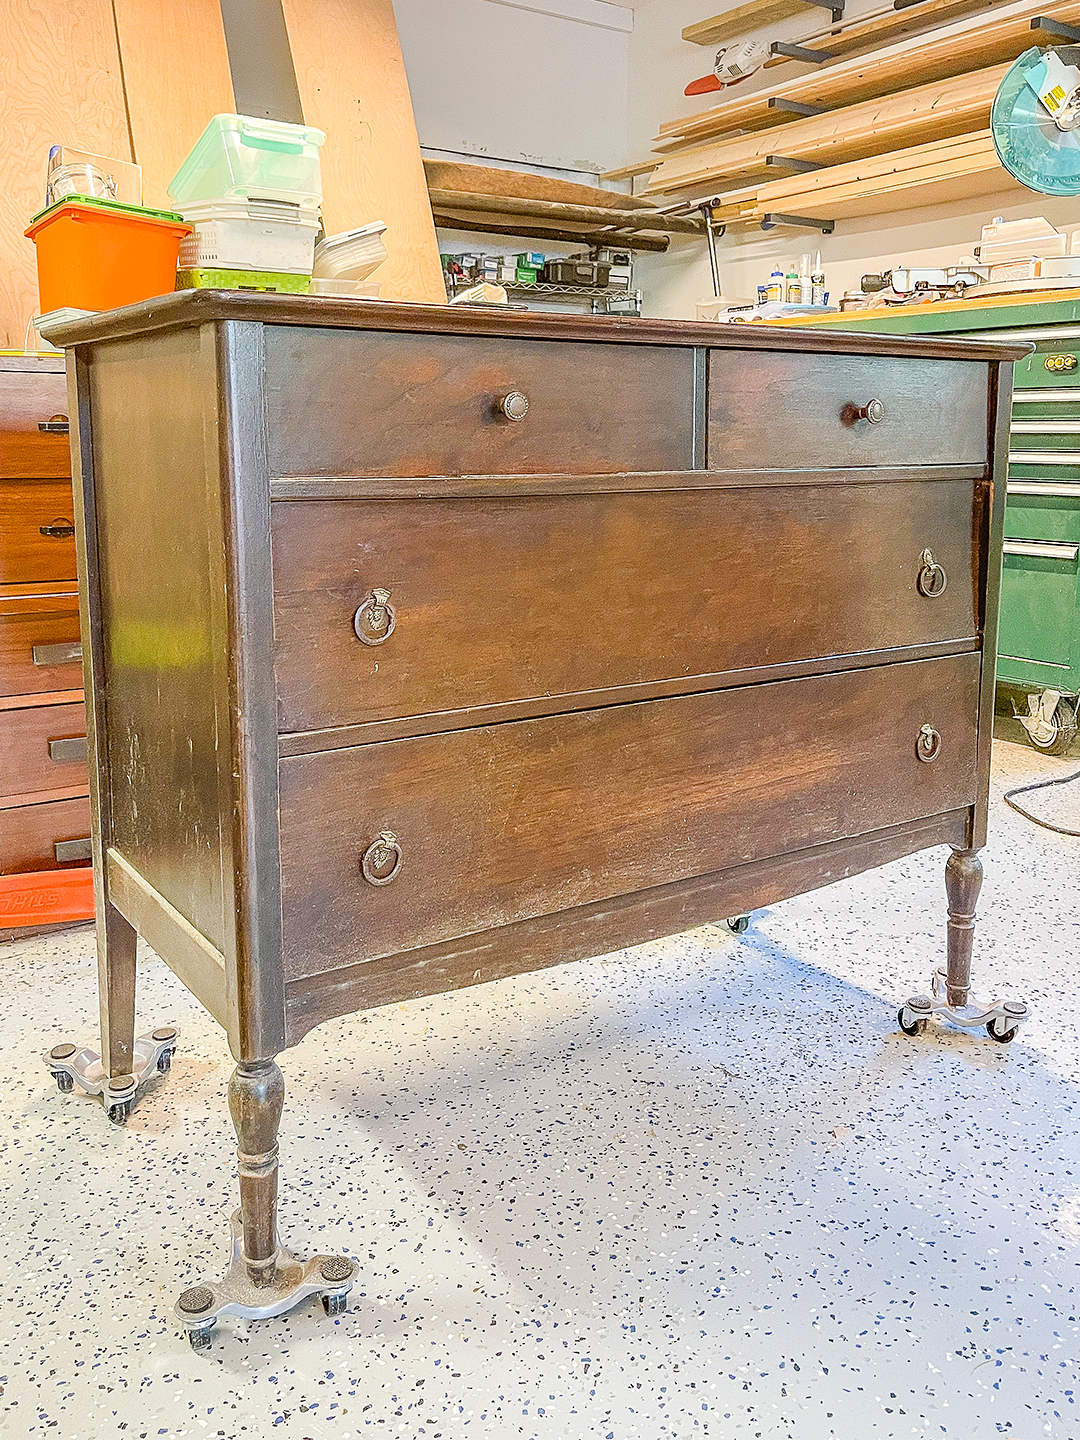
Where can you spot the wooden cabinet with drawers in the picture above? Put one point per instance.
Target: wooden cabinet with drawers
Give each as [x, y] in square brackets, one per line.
[431, 646]
[44, 804]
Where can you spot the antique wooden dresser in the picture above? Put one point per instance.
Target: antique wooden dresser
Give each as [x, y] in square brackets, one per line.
[426, 646]
[44, 810]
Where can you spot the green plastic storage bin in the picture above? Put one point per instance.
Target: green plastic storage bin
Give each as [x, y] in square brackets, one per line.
[239, 155]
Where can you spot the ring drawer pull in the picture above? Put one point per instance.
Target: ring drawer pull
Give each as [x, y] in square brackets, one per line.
[932, 579]
[928, 745]
[376, 857]
[58, 530]
[375, 620]
[514, 406]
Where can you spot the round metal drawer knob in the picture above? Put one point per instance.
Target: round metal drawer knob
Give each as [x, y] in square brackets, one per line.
[514, 406]
[931, 579]
[380, 853]
[928, 745]
[873, 410]
[375, 620]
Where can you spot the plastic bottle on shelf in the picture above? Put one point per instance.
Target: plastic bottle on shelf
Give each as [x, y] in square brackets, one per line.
[806, 284]
[791, 285]
[775, 291]
[817, 277]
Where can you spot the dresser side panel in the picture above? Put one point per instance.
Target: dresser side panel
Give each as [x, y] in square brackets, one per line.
[154, 443]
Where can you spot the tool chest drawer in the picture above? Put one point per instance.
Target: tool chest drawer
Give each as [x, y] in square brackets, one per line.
[389, 846]
[769, 409]
[44, 749]
[50, 835]
[376, 615]
[363, 403]
[37, 531]
[39, 648]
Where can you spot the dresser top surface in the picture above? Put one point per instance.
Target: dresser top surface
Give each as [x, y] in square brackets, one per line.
[196, 307]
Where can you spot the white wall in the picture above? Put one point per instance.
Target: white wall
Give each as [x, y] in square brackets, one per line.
[539, 81]
[661, 63]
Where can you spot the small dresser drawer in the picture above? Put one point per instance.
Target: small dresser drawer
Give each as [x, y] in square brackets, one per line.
[489, 602]
[50, 836]
[39, 649]
[491, 825]
[44, 749]
[343, 402]
[775, 409]
[37, 531]
[34, 454]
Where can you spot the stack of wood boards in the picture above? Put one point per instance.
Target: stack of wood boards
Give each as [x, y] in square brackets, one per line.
[880, 26]
[507, 202]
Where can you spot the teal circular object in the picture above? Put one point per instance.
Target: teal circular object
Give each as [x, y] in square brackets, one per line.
[1028, 142]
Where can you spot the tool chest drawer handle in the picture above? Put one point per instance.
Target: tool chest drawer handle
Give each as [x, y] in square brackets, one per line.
[374, 621]
[69, 749]
[66, 850]
[514, 406]
[931, 580]
[873, 412]
[58, 530]
[57, 654]
[928, 745]
[382, 852]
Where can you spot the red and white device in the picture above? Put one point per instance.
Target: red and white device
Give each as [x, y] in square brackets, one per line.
[733, 63]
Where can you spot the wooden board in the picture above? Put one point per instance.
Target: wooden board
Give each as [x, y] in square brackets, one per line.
[176, 77]
[881, 26]
[969, 44]
[352, 84]
[517, 185]
[733, 24]
[928, 112]
[61, 86]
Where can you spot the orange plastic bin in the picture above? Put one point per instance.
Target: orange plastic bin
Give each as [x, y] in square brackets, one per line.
[98, 254]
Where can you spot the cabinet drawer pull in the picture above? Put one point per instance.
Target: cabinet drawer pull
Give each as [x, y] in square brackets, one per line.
[873, 411]
[55, 425]
[932, 579]
[378, 855]
[375, 620]
[514, 406]
[58, 530]
[66, 850]
[928, 745]
[66, 750]
[64, 654]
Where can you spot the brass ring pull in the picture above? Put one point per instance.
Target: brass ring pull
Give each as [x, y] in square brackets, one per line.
[375, 620]
[382, 852]
[931, 580]
[514, 406]
[928, 745]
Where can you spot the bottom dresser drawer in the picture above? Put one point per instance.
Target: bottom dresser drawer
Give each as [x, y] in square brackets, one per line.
[50, 836]
[496, 824]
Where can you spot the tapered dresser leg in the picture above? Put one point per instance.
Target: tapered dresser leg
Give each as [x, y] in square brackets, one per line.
[263, 1279]
[124, 1062]
[951, 986]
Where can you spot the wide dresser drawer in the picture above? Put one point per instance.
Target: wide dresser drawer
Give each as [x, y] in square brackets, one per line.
[39, 648]
[47, 836]
[44, 749]
[472, 602]
[343, 402]
[776, 409]
[37, 531]
[488, 826]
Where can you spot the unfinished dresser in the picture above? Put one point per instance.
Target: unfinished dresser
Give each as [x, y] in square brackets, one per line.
[426, 646]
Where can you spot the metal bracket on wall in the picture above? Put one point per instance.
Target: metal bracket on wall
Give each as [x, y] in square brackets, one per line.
[795, 107]
[789, 162]
[1055, 28]
[798, 222]
[800, 52]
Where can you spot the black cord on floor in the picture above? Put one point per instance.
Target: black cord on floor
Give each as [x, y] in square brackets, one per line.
[1042, 785]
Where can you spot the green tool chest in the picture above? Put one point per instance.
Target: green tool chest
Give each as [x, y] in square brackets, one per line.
[1039, 634]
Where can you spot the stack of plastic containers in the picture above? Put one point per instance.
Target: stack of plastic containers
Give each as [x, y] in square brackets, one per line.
[251, 191]
[344, 262]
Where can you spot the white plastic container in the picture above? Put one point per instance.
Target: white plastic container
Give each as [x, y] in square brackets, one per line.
[245, 157]
[348, 289]
[237, 234]
[352, 255]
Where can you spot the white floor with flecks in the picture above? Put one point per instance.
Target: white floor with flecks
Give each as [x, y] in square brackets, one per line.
[702, 1188]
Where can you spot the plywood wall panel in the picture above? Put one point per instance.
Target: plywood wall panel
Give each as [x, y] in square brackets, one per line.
[59, 84]
[352, 84]
[176, 76]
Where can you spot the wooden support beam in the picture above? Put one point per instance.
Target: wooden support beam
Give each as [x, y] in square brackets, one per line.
[538, 230]
[567, 214]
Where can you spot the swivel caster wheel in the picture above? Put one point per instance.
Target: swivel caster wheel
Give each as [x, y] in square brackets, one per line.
[64, 1083]
[1001, 1035]
[164, 1062]
[738, 924]
[912, 1027]
[200, 1338]
[335, 1304]
[118, 1114]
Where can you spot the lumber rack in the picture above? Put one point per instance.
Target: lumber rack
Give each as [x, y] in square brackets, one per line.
[554, 220]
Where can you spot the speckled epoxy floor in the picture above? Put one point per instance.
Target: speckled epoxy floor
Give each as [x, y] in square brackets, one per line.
[704, 1188]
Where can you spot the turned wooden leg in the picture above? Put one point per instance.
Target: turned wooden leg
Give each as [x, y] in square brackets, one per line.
[116, 945]
[963, 881]
[256, 1095]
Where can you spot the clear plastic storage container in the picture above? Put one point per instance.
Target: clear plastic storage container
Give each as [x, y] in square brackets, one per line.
[237, 234]
[352, 255]
[252, 159]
